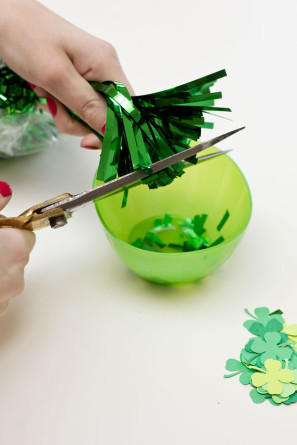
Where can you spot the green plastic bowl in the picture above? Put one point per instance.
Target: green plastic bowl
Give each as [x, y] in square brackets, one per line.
[211, 187]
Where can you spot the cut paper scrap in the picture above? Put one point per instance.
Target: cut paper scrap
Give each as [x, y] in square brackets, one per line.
[268, 362]
[239, 368]
[273, 376]
[263, 321]
[270, 346]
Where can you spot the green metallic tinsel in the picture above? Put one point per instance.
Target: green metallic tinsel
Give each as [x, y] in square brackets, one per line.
[24, 128]
[139, 129]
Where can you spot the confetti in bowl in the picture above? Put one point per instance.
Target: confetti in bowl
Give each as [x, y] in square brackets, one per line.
[212, 188]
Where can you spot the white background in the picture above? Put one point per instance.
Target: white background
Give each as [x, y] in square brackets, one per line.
[90, 353]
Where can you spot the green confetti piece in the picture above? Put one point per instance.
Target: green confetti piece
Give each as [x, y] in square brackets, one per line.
[278, 311]
[158, 224]
[167, 220]
[199, 221]
[175, 246]
[125, 197]
[217, 241]
[223, 221]
[257, 397]
[189, 240]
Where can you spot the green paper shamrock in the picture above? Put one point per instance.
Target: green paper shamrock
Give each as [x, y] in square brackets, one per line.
[286, 401]
[291, 331]
[250, 357]
[273, 377]
[288, 389]
[291, 399]
[293, 360]
[239, 368]
[271, 347]
[278, 399]
[264, 321]
[258, 397]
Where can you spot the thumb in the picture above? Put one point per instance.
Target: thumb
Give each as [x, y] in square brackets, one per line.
[5, 194]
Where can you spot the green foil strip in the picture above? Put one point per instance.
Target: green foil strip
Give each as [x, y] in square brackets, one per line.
[223, 221]
[15, 94]
[139, 129]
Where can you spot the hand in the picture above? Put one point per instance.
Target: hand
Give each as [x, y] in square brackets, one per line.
[59, 59]
[15, 248]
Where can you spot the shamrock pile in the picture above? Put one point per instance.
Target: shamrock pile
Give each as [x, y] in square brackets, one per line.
[268, 361]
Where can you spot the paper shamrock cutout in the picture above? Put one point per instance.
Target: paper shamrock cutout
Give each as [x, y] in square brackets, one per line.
[268, 361]
[264, 321]
[291, 332]
[273, 376]
[270, 346]
[239, 368]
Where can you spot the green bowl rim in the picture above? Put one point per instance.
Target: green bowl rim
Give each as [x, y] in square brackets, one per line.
[195, 252]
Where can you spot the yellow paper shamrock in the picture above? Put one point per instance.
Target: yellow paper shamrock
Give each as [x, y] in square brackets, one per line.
[291, 331]
[272, 377]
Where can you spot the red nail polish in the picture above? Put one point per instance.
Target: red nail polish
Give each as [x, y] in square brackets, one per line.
[52, 106]
[89, 147]
[5, 189]
[103, 128]
[31, 85]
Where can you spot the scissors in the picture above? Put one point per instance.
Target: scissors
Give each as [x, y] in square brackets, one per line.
[56, 211]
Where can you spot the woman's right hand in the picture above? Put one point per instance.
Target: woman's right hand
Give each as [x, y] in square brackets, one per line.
[15, 248]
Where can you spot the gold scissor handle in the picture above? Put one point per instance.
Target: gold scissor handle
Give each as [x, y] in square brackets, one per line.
[33, 219]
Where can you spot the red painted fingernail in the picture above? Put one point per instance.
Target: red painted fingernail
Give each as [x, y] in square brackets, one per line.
[31, 85]
[103, 128]
[5, 189]
[89, 147]
[52, 106]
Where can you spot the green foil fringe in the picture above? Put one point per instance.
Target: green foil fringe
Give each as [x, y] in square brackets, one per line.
[139, 130]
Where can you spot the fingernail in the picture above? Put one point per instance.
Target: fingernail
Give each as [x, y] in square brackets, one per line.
[103, 128]
[89, 147]
[31, 85]
[52, 106]
[5, 189]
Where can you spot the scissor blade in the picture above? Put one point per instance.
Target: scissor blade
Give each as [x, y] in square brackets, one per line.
[130, 178]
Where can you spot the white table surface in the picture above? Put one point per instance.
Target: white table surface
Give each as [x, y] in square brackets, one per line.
[90, 353]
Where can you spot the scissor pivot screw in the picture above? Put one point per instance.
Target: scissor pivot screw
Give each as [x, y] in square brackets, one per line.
[58, 221]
